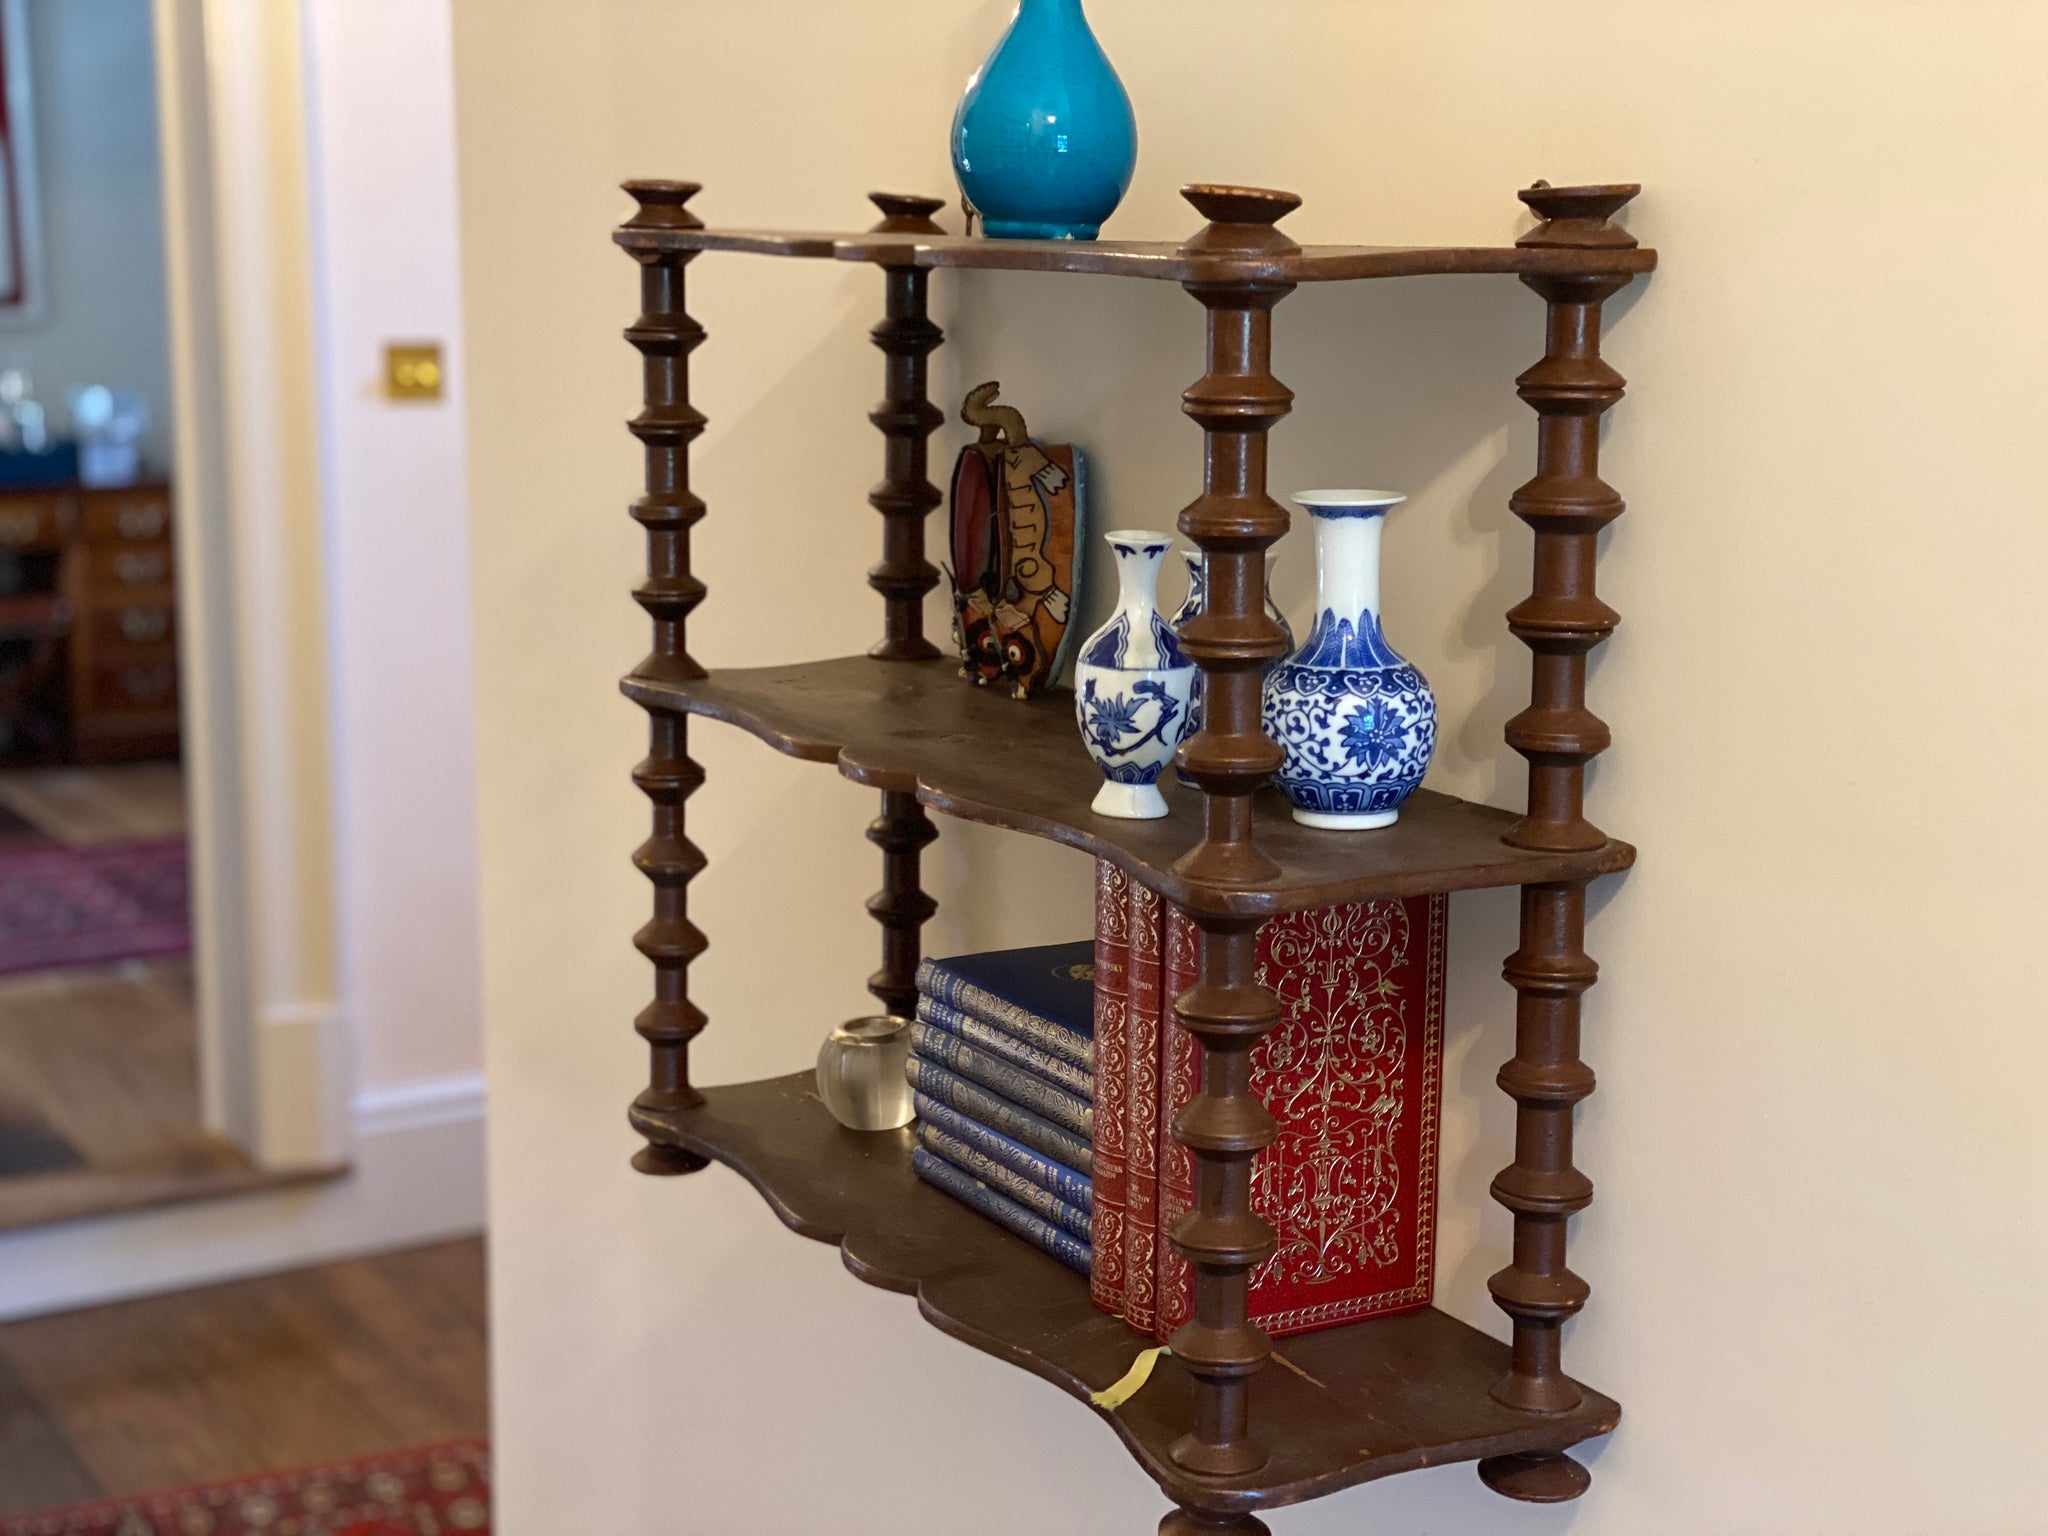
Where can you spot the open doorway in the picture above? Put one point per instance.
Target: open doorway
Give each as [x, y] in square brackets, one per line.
[99, 1073]
[103, 1097]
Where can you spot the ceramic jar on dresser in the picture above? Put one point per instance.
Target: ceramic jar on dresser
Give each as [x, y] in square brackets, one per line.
[108, 554]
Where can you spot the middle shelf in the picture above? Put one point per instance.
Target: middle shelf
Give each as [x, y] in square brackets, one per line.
[980, 755]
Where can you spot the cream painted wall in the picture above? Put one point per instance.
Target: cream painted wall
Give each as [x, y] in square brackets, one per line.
[380, 78]
[1820, 1211]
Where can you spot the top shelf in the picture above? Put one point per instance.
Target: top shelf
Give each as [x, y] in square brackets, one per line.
[1159, 259]
[1240, 244]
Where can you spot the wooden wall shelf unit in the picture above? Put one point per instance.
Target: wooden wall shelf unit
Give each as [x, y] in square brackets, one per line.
[1231, 1423]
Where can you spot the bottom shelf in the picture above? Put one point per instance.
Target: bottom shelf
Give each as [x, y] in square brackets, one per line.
[1335, 1408]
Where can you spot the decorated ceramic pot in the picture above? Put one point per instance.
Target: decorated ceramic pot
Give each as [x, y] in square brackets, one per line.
[1198, 590]
[1355, 722]
[1133, 686]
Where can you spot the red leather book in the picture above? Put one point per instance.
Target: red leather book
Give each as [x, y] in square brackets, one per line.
[1353, 1073]
[1141, 1141]
[1112, 1070]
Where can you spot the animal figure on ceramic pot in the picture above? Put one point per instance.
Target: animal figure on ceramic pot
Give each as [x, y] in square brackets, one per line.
[1016, 512]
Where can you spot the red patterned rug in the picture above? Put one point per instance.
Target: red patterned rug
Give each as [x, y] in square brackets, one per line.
[441, 1490]
[92, 906]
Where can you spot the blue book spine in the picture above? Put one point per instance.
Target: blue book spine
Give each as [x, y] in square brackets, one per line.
[1076, 1189]
[999, 1114]
[1006, 1078]
[1001, 1209]
[1040, 1202]
[936, 982]
[1054, 1069]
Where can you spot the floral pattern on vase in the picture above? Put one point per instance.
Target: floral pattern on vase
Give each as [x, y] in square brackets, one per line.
[1198, 591]
[1356, 723]
[1134, 686]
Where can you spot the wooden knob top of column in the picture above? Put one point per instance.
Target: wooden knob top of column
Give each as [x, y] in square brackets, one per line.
[661, 204]
[1241, 219]
[904, 213]
[1577, 216]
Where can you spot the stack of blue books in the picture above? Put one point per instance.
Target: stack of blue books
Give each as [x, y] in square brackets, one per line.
[1003, 1072]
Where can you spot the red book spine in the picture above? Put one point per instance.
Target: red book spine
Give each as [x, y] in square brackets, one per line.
[1179, 1080]
[1112, 996]
[1353, 1075]
[1141, 1159]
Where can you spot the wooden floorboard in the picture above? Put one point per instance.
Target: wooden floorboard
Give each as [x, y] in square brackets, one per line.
[108, 1055]
[107, 1059]
[37, 1467]
[292, 1370]
[85, 807]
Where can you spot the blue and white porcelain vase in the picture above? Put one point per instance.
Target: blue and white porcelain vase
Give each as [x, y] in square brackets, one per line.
[1044, 140]
[1355, 722]
[1198, 589]
[1134, 687]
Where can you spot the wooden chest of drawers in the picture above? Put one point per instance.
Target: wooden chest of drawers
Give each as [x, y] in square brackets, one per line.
[114, 566]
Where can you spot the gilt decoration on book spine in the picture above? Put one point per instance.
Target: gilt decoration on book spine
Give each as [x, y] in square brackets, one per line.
[1112, 990]
[1179, 1079]
[1141, 1222]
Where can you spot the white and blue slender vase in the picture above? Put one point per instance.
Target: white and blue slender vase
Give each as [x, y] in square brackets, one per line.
[1198, 592]
[1133, 686]
[1355, 722]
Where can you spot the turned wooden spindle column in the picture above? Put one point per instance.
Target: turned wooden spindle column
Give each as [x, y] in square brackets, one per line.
[665, 336]
[903, 831]
[905, 497]
[1225, 1126]
[1567, 504]
[907, 418]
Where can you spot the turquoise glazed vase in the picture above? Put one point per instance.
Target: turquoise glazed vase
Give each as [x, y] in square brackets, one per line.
[1044, 142]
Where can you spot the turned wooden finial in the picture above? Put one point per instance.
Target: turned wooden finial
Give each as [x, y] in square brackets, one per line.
[1241, 219]
[661, 204]
[904, 213]
[1576, 217]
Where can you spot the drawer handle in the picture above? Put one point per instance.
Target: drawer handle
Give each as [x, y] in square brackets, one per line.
[147, 682]
[17, 527]
[140, 522]
[137, 570]
[145, 624]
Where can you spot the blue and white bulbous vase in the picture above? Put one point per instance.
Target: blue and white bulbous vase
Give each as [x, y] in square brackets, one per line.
[1355, 722]
[1198, 590]
[1044, 140]
[1134, 687]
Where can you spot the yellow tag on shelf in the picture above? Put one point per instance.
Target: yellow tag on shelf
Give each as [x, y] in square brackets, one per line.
[1113, 1397]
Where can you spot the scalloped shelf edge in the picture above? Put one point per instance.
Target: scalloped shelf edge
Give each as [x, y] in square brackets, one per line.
[1314, 1405]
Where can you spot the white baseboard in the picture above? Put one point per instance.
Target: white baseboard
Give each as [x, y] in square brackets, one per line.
[417, 1176]
[419, 1105]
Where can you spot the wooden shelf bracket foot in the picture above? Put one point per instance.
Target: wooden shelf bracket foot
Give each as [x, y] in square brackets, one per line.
[1543, 1477]
[1203, 1522]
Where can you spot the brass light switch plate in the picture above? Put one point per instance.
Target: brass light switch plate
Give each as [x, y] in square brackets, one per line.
[412, 370]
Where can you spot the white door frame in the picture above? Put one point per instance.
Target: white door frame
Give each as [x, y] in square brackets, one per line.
[276, 1074]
